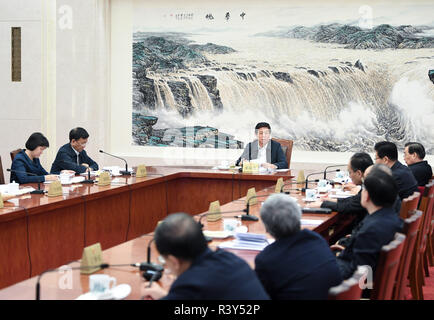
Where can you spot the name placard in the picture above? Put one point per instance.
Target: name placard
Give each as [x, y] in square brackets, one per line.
[55, 189]
[92, 256]
[141, 171]
[250, 167]
[247, 167]
[1, 201]
[255, 167]
[214, 212]
[279, 185]
[251, 194]
[104, 179]
[301, 179]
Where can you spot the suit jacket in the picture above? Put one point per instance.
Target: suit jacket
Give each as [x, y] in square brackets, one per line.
[375, 231]
[350, 205]
[23, 163]
[301, 266]
[275, 154]
[407, 183]
[217, 275]
[66, 159]
[422, 172]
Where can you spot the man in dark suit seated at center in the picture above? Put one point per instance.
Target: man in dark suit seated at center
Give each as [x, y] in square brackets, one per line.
[72, 155]
[267, 152]
[202, 274]
[299, 265]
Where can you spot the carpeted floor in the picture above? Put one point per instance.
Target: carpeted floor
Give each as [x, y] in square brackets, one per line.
[428, 288]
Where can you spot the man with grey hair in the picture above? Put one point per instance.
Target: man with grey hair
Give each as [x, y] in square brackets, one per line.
[299, 264]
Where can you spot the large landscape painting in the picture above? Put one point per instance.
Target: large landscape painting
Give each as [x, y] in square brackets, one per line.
[332, 77]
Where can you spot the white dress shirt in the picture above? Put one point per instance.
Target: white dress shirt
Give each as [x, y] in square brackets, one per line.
[262, 154]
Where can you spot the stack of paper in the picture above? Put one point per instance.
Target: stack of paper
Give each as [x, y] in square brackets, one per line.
[247, 241]
[19, 192]
[311, 222]
[340, 195]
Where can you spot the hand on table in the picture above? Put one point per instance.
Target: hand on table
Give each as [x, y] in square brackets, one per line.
[6, 197]
[155, 292]
[67, 171]
[314, 204]
[51, 177]
[269, 166]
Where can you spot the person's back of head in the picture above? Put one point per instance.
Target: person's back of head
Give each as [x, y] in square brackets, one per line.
[78, 133]
[181, 236]
[381, 186]
[386, 149]
[35, 140]
[281, 215]
[416, 148]
[361, 161]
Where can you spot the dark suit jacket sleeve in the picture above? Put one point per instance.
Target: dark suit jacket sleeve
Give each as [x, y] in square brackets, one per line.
[183, 292]
[67, 162]
[18, 164]
[365, 252]
[281, 159]
[262, 274]
[89, 161]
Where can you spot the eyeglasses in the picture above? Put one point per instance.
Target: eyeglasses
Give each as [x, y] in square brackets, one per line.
[161, 260]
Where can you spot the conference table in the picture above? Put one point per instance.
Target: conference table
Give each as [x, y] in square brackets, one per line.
[38, 233]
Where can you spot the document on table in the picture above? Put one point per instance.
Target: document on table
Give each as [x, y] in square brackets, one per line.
[311, 222]
[247, 241]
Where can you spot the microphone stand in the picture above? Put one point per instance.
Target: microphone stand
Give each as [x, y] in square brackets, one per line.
[306, 182]
[39, 191]
[126, 172]
[142, 266]
[152, 270]
[89, 180]
[295, 182]
[325, 170]
[247, 216]
[209, 239]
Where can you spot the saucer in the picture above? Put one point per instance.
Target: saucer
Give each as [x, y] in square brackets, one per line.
[117, 293]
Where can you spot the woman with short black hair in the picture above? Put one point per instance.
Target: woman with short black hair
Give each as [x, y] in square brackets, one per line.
[27, 160]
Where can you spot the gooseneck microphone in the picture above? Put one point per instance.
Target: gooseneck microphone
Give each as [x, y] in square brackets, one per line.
[152, 270]
[295, 182]
[311, 174]
[142, 266]
[209, 239]
[38, 282]
[247, 216]
[88, 180]
[39, 191]
[126, 172]
[338, 165]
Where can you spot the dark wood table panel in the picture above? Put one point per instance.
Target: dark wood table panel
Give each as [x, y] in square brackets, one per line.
[148, 206]
[13, 243]
[193, 195]
[107, 219]
[60, 226]
[56, 237]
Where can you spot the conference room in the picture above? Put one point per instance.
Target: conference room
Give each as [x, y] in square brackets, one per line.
[194, 150]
